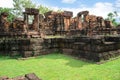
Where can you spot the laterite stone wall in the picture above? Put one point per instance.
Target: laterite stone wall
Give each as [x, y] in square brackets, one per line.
[91, 48]
[25, 47]
[95, 48]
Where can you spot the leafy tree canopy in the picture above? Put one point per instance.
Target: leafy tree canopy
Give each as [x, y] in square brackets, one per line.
[112, 17]
[9, 11]
[20, 5]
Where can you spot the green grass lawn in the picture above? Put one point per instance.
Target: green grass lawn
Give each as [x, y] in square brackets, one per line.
[60, 67]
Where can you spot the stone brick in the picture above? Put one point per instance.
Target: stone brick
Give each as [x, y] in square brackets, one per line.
[20, 78]
[67, 51]
[27, 54]
[32, 76]
[4, 78]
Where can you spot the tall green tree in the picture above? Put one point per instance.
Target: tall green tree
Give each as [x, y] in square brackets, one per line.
[43, 9]
[112, 17]
[9, 11]
[20, 5]
[116, 14]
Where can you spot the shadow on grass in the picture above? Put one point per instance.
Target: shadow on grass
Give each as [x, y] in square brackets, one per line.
[71, 61]
[2, 58]
[8, 57]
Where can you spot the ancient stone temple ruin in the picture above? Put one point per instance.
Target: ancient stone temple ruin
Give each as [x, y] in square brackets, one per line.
[35, 23]
[84, 36]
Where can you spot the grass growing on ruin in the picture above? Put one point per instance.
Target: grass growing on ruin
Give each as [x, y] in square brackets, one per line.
[60, 67]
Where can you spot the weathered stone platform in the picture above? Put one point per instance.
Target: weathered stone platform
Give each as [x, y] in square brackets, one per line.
[95, 48]
[21, 46]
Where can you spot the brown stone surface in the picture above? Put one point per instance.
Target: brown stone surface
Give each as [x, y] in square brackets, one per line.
[20, 78]
[67, 51]
[27, 54]
[4, 78]
[32, 76]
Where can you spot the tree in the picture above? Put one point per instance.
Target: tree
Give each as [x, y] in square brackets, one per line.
[43, 9]
[116, 14]
[112, 17]
[20, 5]
[9, 11]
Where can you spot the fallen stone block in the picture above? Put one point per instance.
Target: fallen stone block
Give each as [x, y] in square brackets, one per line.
[4, 78]
[20, 78]
[32, 76]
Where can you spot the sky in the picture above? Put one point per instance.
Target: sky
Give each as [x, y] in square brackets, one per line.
[95, 7]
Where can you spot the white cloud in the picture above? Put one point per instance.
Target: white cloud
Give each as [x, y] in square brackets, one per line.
[117, 6]
[102, 9]
[117, 3]
[68, 1]
[6, 3]
[99, 9]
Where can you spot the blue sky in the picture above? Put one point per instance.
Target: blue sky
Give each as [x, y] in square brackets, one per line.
[71, 3]
[95, 7]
